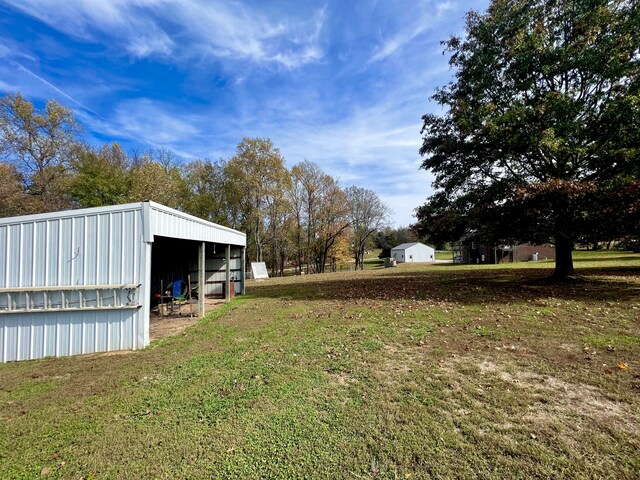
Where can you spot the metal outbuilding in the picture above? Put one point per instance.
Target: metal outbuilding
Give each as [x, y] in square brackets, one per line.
[82, 281]
[413, 252]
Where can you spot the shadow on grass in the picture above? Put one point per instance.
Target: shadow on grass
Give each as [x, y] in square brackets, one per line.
[467, 287]
[615, 258]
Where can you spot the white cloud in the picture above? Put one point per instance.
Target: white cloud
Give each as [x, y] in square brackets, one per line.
[7, 87]
[150, 123]
[60, 92]
[375, 148]
[185, 29]
[429, 16]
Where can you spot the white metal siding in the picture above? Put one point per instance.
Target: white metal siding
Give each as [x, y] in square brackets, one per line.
[38, 335]
[171, 223]
[69, 280]
[216, 273]
[415, 253]
[81, 248]
[419, 253]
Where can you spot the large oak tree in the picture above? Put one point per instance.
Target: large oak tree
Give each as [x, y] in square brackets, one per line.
[543, 114]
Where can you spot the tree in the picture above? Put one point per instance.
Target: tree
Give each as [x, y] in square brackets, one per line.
[305, 199]
[202, 190]
[151, 181]
[331, 220]
[321, 214]
[100, 177]
[368, 214]
[296, 196]
[40, 144]
[255, 174]
[544, 109]
[279, 215]
[12, 196]
[388, 238]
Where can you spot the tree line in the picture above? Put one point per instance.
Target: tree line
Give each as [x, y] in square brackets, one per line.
[300, 216]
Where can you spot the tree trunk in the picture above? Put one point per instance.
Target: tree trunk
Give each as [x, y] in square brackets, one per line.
[564, 258]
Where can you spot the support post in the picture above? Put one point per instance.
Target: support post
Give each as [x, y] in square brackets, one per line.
[201, 279]
[227, 278]
[243, 267]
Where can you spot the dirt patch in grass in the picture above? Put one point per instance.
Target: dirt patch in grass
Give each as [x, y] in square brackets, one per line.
[161, 326]
[567, 399]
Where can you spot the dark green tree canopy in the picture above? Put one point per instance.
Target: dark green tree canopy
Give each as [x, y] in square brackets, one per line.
[544, 107]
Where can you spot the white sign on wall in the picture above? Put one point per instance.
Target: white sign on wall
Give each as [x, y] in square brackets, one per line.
[259, 270]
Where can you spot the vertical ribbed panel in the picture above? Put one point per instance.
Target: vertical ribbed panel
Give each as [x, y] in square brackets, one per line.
[66, 333]
[89, 247]
[167, 222]
[70, 249]
[98, 249]
[215, 273]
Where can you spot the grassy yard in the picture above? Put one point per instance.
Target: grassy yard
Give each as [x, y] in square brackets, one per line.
[420, 371]
[444, 255]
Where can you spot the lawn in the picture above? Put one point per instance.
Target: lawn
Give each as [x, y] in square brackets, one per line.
[444, 255]
[419, 371]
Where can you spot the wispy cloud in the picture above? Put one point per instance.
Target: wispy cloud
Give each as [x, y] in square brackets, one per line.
[220, 29]
[430, 15]
[151, 123]
[24, 69]
[8, 87]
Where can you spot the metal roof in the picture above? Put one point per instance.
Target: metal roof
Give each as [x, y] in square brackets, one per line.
[404, 246]
[157, 220]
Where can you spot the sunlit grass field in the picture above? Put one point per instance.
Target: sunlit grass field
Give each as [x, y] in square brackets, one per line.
[419, 371]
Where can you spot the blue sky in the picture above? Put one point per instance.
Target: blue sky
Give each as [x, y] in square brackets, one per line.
[340, 83]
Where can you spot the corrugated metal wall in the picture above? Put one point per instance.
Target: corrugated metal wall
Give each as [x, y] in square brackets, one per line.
[420, 253]
[77, 282]
[171, 223]
[70, 249]
[216, 273]
[415, 253]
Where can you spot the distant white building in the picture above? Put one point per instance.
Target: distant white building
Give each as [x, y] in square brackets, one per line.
[413, 252]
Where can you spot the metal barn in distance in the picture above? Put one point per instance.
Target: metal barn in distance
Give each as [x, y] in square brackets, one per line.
[413, 252]
[83, 281]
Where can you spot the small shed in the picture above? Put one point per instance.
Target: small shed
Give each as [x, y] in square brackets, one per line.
[84, 281]
[413, 253]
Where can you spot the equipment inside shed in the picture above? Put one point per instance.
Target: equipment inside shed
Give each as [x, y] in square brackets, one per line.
[172, 261]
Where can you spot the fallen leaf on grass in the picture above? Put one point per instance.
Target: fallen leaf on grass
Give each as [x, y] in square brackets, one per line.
[623, 366]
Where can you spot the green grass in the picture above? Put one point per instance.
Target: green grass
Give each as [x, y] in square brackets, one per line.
[444, 255]
[420, 371]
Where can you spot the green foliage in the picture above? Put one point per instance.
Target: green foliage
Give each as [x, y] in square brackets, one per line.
[12, 196]
[100, 177]
[389, 237]
[255, 177]
[153, 181]
[202, 190]
[544, 109]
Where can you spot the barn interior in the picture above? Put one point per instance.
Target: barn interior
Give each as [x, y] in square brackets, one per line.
[174, 283]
